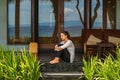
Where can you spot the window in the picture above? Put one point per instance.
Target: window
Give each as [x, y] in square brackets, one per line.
[19, 21]
[111, 14]
[74, 17]
[97, 12]
[47, 20]
[78, 14]
[103, 14]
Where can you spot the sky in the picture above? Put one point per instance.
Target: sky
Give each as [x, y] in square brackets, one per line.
[25, 13]
[46, 12]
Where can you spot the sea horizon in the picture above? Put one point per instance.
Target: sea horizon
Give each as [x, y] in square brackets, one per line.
[46, 29]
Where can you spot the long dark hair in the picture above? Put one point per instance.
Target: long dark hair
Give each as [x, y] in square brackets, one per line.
[66, 33]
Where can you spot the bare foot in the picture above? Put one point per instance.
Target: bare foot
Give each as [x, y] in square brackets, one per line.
[55, 61]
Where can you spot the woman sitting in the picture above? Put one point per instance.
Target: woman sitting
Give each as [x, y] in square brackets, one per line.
[65, 50]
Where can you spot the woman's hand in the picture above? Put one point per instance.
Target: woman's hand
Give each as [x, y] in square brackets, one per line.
[58, 48]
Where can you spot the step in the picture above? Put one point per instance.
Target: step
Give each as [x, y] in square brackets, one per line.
[63, 76]
[59, 75]
[62, 67]
[46, 57]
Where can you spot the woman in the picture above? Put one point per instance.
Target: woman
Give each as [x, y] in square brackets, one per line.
[65, 50]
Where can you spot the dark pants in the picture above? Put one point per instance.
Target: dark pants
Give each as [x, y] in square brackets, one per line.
[63, 54]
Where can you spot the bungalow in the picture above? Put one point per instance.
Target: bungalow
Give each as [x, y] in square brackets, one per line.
[41, 21]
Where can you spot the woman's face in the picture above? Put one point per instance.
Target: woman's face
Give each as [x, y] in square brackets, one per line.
[63, 36]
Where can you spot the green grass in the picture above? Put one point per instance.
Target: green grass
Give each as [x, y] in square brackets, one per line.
[97, 69]
[18, 66]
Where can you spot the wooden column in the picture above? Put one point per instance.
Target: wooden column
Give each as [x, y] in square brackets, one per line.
[17, 20]
[104, 14]
[85, 14]
[90, 13]
[61, 8]
[115, 14]
[60, 17]
[86, 20]
[34, 20]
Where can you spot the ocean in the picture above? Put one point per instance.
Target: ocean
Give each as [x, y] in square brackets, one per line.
[46, 29]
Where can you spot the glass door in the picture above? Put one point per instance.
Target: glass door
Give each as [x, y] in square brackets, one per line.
[74, 18]
[53, 14]
[47, 23]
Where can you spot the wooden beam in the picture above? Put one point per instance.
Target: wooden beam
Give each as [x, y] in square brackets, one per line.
[34, 20]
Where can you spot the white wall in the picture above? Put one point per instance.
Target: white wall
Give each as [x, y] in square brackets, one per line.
[3, 21]
[118, 13]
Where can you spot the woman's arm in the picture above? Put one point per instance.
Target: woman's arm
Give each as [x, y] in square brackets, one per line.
[55, 47]
[59, 48]
[66, 45]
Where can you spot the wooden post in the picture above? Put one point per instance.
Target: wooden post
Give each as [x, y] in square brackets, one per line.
[17, 21]
[115, 13]
[90, 12]
[86, 14]
[60, 17]
[104, 14]
[34, 20]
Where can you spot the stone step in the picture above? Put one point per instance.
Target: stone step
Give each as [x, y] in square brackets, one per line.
[46, 57]
[62, 67]
[63, 76]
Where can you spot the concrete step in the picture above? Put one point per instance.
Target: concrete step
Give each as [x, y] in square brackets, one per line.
[62, 70]
[63, 76]
[62, 67]
[45, 55]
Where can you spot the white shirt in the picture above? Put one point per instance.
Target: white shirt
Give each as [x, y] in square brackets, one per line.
[70, 47]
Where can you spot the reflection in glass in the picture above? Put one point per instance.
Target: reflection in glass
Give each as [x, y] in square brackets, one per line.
[46, 18]
[74, 17]
[11, 21]
[111, 14]
[25, 20]
[96, 19]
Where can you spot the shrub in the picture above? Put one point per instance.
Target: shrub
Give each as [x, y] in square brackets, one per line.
[18, 66]
[97, 69]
